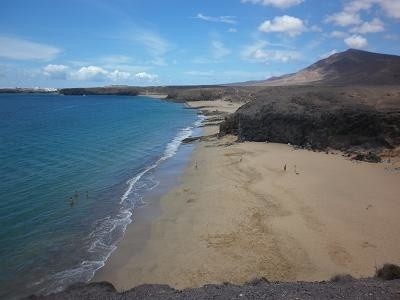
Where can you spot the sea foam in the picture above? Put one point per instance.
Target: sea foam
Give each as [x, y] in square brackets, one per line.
[109, 230]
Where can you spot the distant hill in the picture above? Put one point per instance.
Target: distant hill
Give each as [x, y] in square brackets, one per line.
[345, 68]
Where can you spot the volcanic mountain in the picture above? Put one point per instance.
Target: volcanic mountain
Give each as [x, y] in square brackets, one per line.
[351, 67]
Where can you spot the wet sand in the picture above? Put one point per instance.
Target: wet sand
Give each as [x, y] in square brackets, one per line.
[237, 215]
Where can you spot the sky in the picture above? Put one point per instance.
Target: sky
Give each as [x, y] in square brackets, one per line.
[71, 43]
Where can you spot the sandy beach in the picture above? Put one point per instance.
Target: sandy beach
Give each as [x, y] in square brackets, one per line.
[157, 96]
[237, 214]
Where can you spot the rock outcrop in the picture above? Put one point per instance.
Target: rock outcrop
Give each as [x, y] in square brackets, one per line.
[318, 118]
[344, 288]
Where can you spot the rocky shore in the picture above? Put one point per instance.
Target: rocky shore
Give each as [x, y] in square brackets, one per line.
[172, 93]
[340, 288]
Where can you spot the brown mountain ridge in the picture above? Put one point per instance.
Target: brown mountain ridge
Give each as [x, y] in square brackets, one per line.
[345, 68]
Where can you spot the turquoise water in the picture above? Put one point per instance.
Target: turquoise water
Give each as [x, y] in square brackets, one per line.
[72, 170]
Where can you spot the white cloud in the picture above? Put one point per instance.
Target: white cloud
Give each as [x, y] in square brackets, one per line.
[276, 3]
[392, 37]
[375, 25]
[232, 30]
[219, 49]
[391, 8]
[356, 41]
[146, 76]
[95, 73]
[357, 5]
[90, 73]
[285, 24]
[344, 18]
[19, 49]
[56, 71]
[338, 34]
[350, 12]
[258, 53]
[155, 44]
[201, 73]
[118, 75]
[327, 54]
[219, 19]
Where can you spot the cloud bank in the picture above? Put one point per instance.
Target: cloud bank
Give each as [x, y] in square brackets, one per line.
[20, 49]
[95, 74]
[275, 3]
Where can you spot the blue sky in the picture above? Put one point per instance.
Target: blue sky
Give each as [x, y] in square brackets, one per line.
[70, 43]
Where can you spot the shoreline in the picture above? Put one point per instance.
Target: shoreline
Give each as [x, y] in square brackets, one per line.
[237, 215]
[156, 96]
[168, 173]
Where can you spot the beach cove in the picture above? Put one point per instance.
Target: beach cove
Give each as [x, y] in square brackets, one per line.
[73, 170]
[237, 215]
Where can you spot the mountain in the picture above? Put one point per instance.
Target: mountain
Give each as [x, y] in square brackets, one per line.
[346, 68]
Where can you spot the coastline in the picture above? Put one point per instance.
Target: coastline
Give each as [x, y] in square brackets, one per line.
[237, 215]
[167, 171]
[156, 96]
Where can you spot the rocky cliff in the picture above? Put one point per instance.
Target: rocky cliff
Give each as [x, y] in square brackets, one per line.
[321, 117]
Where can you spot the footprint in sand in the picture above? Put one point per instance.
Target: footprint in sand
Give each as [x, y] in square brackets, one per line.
[339, 255]
[368, 245]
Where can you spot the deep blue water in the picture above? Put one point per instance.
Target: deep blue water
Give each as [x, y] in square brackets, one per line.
[72, 169]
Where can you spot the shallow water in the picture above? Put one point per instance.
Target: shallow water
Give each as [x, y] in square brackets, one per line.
[72, 170]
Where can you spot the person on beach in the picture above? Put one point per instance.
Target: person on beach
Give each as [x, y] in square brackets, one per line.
[295, 170]
[195, 165]
[284, 168]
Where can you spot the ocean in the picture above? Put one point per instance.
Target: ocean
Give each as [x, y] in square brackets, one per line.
[72, 170]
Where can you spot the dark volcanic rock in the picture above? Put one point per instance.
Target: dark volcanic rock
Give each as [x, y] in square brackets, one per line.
[368, 157]
[122, 91]
[226, 93]
[388, 272]
[315, 118]
[261, 289]
[174, 93]
[191, 139]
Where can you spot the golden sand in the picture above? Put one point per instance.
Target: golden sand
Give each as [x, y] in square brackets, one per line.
[238, 215]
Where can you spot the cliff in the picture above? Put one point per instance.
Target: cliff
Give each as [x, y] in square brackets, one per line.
[343, 118]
